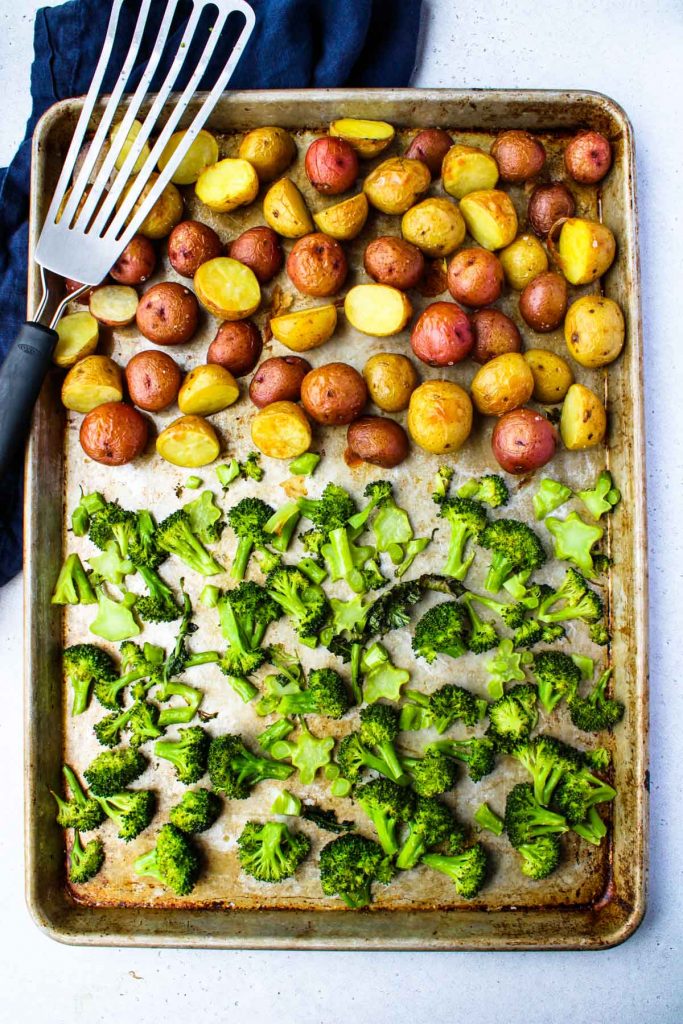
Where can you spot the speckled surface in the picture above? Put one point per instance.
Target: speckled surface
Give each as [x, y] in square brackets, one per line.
[553, 47]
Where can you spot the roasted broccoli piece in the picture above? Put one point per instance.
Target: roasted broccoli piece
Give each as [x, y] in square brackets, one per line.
[345, 559]
[235, 771]
[109, 565]
[491, 490]
[432, 774]
[511, 614]
[326, 694]
[483, 636]
[131, 810]
[177, 714]
[349, 865]
[547, 760]
[85, 861]
[80, 517]
[248, 519]
[307, 752]
[269, 852]
[73, 585]
[114, 770]
[381, 678]
[282, 525]
[452, 703]
[596, 711]
[557, 677]
[478, 754]
[392, 609]
[245, 614]
[603, 498]
[467, 520]
[599, 633]
[188, 754]
[143, 723]
[579, 601]
[81, 812]
[110, 728]
[441, 484]
[304, 602]
[577, 797]
[515, 548]
[173, 861]
[87, 666]
[378, 492]
[392, 530]
[114, 620]
[305, 465]
[411, 550]
[325, 819]
[512, 717]
[206, 518]
[441, 630]
[467, 870]
[197, 811]
[330, 511]
[573, 541]
[175, 536]
[386, 805]
[353, 757]
[506, 667]
[159, 604]
[526, 819]
[379, 726]
[549, 496]
[112, 522]
[430, 824]
[540, 856]
[136, 664]
[489, 820]
[143, 548]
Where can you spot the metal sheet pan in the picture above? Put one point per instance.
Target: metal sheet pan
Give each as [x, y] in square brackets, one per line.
[598, 898]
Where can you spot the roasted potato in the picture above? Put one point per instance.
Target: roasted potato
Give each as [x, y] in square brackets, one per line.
[278, 380]
[377, 440]
[77, 337]
[203, 153]
[442, 335]
[281, 431]
[334, 394]
[227, 184]
[475, 277]
[368, 138]
[502, 384]
[125, 149]
[260, 250]
[583, 423]
[547, 204]
[269, 150]
[543, 302]
[227, 288]
[331, 165]
[594, 330]
[440, 416]
[552, 375]
[391, 380]
[523, 260]
[164, 215]
[136, 263]
[394, 261]
[71, 286]
[582, 249]
[490, 217]
[495, 334]
[190, 244]
[519, 155]
[468, 169]
[344, 220]
[168, 314]
[237, 347]
[206, 390]
[90, 382]
[153, 380]
[190, 442]
[306, 328]
[114, 305]
[377, 309]
[435, 226]
[430, 146]
[317, 265]
[588, 157]
[395, 184]
[523, 440]
[114, 434]
[285, 210]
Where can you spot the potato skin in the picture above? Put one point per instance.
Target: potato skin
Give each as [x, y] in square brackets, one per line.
[207, 389]
[334, 394]
[543, 302]
[552, 375]
[259, 249]
[153, 380]
[519, 155]
[494, 335]
[344, 220]
[523, 440]
[523, 260]
[269, 150]
[583, 423]
[594, 331]
[285, 209]
[394, 261]
[317, 265]
[475, 277]
[331, 165]
[278, 380]
[442, 335]
[547, 204]
[168, 314]
[379, 441]
[430, 146]
[114, 434]
[435, 226]
[440, 416]
[468, 169]
[190, 244]
[136, 263]
[281, 430]
[502, 384]
[395, 184]
[588, 157]
[164, 215]
[237, 347]
[92, 381]
[391, 379]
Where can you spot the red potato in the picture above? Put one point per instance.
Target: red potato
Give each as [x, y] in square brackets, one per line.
[475, 277]
[114, 434]
[519, 155]
[136, 263]
[331, 165]
[334, 394]
[71, 286]
[588, 158]
[494, 335]
[543, 303]
[153, 380]
[430, 146]
[394, 261]
[237, 347]
[168, 314]
[317, 265]
[378, 440]
[260, 250]
[190, 244]
[547, 204]
[523, 440]
[442, 335]
[278, 380]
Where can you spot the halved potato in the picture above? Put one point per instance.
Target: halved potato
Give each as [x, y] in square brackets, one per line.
[368, 138]
[377, 309]
[344, 220]
[583, 251]
[490, 217]
[203, 153]
[435, 226]
[164, 215]
[306, 328]
[189, 441]
[133, 133]
[77, 337]
[114, 305]
[227, 184]
[468, 169]
[281, 430]
[227, 288]
[207, 389]
[270, 150]
[395, 184]
[583, 423]
[91, 382]
[285, 210]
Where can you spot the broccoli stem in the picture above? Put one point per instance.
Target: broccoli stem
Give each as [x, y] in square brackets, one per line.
[391, 761]
[148, 865]
[309, 567]
[356, 658]
[455, 565]
[73, 585]
[342, 563]
[499, 570]
[411, 852]
[242, 556]
[242, 687]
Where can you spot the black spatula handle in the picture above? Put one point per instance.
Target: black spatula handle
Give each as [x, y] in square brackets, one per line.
[21, 377]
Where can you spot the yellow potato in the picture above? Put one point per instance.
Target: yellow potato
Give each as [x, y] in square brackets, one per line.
[189, 441]
[227, 288]
[164, 215]
[502, 384]
[269, 150]
[207, 389]
[584, 250]
[395, 184]
[77, 337]
[133, 133]
[468, 169]
[391, 380]
[285, 210]
[583, 423]
[368, 138]
[306, 328]
[228, 184]
[594, 330]
[91, 382]
[523, 260]
[114, 305]
[281, 430]
[440, 416]
[490, 218]
[344, 220]
[435, 226]
[203, 153]
[377, 309]
[552, 375]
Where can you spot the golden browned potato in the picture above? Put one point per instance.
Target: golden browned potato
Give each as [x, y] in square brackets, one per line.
[133, 133]
[582, 249]
[475, 277]
[260, 250]
[237, 346]
[278, 380]
[377, 309]
[543, 302]
[285, 210]
[207, 389]
[190, 442]
[114, 305]
[334, 394]
[523, 440]
[281, 431]
[164, 215]
[305, 328]
[391, 380]
[344, 220]
[435, 226]
[77, 337]
[519, 155]
[377, 440]
[588, 157]
[552, 375]
[190, 244]
[228, 184]
[440, 416]
[227, 288]
[203, 153]
[153, 380]
[490, 217]
[136, 263]
[523, 260]
[317, 265]
[503, 383]
[331, 165]
[494, 335]
[90, 382]
[594, 330]
[583, 423]
[547, 204]
[468, 169]
[394, 185]
[269, 150]
[430, 146]
[168, 314]
[368, 138]
[113, 434]
[394, 261]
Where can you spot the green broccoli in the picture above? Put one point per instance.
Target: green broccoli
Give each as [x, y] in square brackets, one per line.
[452, 703]
[179, 714]
[574, 540]
[549, 496]
[442, 483]
[188, 754]
[599, 634]
[73, 585]
[278, 730]
[80, 517]
[282, 524]
[392, 609]
[345, 559]
[512, 717]
[143, 548]
[307, 752]
[132, 810]
[483, 635]
[227, 473]
[415, 713]
[245, 614]
[540, 856]
[603, 498]
[270, 852]
[596, 712]
[557, 677]
[378, 492]
[143, 723]
[235, 771]
[248, 520]
[532, 632]
[506, 667]
[114, 620]
[196, 812]
[526, 819]
[331, 510]
[381, 678]
[136, 664]
[387, 805]
[547, 760]
[491, 490]
[305, 465]
[441, 630]
[379, 725]
[349, 865]
[326, 694]
[85, 666]
[110, 728]
[159, 604]
[578, 601]
[430, 824]
[81, 812]
[85, 861]
[114, 770]
[112, 522]
[175, 536]
[392, 530]
[310, 568]
[467, 870]
[489, 820]
[109, 565]
[173, 861]
[467, 520]
[515, 548]
[303, 601]
[479, 754]
[411, 550]
[205, 518]
[577, 797]
[432, 774]
[511, 614]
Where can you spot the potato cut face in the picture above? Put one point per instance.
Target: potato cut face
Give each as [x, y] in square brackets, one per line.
[368, 138]
[467, 169]
[164, 215]
[344, 221]
[490, 217]
[306, 328]
[92, 382]
[227, 184]
[227, 288]
[77, 337]
[586, 250]
[377, 309]
[114, 304]
[207, 389]
[203, 153]
[133, 133]
[583, 423]
[190, 442]
[281, 431]
[285, 210]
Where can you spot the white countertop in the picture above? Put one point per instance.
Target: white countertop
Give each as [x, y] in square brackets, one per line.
[631, 51]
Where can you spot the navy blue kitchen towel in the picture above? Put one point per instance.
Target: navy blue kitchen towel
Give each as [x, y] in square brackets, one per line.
[296, 43]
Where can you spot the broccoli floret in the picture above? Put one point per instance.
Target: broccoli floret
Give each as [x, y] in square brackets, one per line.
[332, 510]
[131, 810]
[188, 754]
[515, 548]
[478, 754]
[386, 805]
[441, 484]
[109, 565]
[491, 490]
[489, 820]
[547, 760]
[577, 797]
[392, 609]
[159, 604]
[506, 667]
[467, 520]
[112, 522]
[110, 728]
[326, 694]
[441, 630]
[303, 601]
[350, 650]
[205, 518]
[557, 677]
[349, 865]
[235, 771]
[307, 752]
[378, 492]
[245, 614]
[81, 812]
[85, 861]
[578, 601]
[573, 541]
[512, 717]
[248, 519]
[603, 498]
[483, 636]
[325, 819]
[114, 770]
[549, 496]
[143, 723]
[136, 663]
[430, 824]
[345, 559]
[353, 757]
[282, 524]
[431, 774]
[381, 678]
[85, 666]
[452, 703]
[143, 548]
[73, 585]
[196, 812]
[174, 535]
[596, 711]
[540, 857]
[511, 614]
[467, 870]
[173, 861]
[269, 852]
[526, 819]
[313, 541]
[528, 634]
[114, 620]
[379, 726]
[599, 634]
[598, 759]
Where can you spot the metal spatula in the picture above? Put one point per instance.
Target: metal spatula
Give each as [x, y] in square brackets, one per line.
[84, 236]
